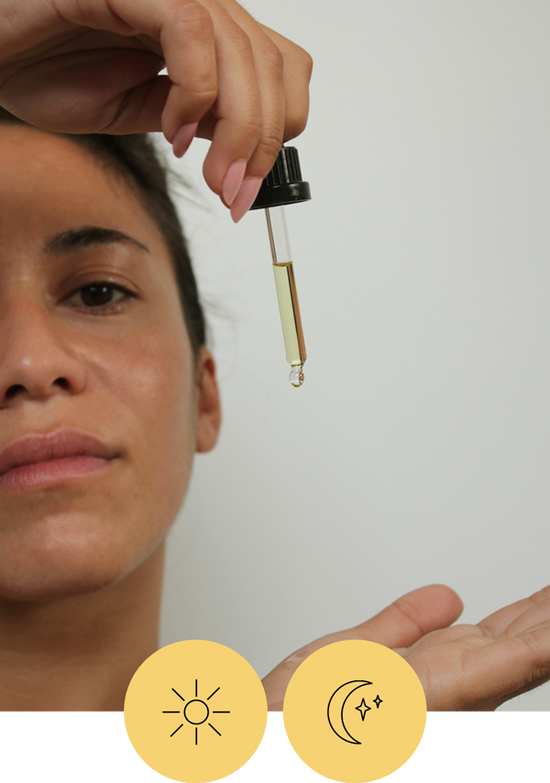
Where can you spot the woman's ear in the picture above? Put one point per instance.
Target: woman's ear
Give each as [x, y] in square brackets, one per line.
[208, 402]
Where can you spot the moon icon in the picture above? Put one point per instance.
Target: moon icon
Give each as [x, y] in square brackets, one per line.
[335, 709]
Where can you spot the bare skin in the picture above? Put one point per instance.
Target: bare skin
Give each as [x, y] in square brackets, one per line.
[81, 565]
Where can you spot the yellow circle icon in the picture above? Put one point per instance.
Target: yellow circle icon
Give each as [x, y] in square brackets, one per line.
[354, 711]
[195, 711]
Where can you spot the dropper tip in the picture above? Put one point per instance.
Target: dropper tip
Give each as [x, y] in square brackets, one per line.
[296, 376]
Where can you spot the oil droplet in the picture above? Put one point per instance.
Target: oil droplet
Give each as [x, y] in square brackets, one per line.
[296, 376]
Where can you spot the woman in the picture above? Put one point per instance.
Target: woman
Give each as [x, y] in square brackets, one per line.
[106, 387]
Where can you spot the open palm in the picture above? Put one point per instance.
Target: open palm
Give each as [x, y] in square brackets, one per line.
[468, 667]
[461, 667]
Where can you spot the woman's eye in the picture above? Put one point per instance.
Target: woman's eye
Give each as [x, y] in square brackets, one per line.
[99, 296]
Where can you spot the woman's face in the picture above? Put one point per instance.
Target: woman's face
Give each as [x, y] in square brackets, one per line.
[116, 365]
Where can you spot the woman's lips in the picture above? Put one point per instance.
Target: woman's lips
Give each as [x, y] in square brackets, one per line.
[54, 470]
[38, 458]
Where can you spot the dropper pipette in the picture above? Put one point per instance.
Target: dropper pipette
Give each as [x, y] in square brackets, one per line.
[284, 185]
[287, 295]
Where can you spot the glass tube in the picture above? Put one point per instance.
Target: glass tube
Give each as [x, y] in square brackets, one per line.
[286, 294]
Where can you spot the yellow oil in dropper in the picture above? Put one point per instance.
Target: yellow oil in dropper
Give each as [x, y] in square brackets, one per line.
[287, 294]
[284, 185]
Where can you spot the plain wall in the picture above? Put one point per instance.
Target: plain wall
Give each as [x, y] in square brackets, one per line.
[418, 449]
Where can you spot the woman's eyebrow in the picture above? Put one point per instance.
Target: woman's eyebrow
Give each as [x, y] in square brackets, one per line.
[85, 236]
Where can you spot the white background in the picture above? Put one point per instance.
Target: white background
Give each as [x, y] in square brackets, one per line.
[417, 450]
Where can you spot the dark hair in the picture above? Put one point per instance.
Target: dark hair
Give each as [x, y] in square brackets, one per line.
[136, 159]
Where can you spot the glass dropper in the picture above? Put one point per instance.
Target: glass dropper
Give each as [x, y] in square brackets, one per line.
[287, 295]
[284, 185]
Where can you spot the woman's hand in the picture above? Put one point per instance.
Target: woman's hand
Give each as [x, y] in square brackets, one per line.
[463, 667]
[91, 66]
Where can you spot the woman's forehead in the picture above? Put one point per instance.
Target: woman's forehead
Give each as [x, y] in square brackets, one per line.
[49, 181]
[30, 157]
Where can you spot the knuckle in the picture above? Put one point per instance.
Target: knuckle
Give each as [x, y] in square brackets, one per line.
[269, 147]
[273, 59]
[200, 96]
[240, 43]
[304, 61]
[192, 102]
[250, 127]
[193, 18]
[295, 124]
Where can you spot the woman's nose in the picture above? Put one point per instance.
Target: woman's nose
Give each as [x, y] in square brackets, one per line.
[38, 359]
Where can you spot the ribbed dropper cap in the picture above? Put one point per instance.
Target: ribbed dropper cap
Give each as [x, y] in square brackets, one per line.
[284, 184]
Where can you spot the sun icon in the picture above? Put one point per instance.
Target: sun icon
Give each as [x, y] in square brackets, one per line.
[196, 712]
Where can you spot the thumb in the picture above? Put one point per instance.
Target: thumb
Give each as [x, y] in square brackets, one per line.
[411, 617]
[399, 625]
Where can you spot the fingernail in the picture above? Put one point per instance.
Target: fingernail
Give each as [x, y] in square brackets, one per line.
[183, 138]
[233, 180]
[245, 198]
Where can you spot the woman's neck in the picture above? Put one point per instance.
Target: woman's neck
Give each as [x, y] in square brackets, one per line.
[79, 653]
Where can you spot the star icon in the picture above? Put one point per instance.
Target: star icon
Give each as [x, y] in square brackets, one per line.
[363, 709]
[377, 701]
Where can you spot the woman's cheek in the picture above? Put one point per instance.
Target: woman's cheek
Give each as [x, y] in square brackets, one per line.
[159, 384]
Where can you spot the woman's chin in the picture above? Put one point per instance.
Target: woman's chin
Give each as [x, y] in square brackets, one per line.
[59, 580]
[47, 568]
